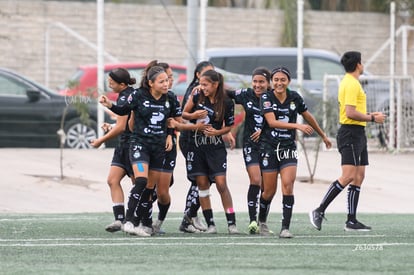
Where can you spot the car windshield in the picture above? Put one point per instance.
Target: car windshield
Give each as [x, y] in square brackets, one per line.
[318, 67]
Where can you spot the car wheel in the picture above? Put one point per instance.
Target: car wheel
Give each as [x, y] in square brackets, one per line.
[80, 135]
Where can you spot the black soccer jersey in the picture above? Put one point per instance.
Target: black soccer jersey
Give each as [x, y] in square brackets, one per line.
[122, 100]
[286, 112]
[251, 103]
[228, 119]
[150, 115]
[185, 135]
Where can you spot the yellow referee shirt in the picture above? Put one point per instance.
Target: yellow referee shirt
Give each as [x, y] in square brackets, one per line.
[350, 92]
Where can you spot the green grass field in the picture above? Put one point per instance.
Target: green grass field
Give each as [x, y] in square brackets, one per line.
[78, 244]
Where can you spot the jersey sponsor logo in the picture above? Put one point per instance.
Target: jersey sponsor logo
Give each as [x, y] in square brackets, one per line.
[205, 120]
[200, 140]
[130, 98]
[266, 104]
[250, 105]
[258, 119]
[209, 110]
[285, 153]
[157, 117]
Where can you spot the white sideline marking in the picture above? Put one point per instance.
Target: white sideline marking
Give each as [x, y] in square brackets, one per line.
[201, 243]
[199, 237]
[16, 219]
[24, 219]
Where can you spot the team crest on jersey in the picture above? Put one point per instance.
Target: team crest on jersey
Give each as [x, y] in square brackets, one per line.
[265, 160]
[292, 106]
[189, 167]
[167, 104]
[136, 155]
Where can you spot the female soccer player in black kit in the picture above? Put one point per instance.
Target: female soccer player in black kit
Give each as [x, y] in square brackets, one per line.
[280, 108]
[152, 106]
[249, 98]
[207, 155]
[119, 80]
[191, 223]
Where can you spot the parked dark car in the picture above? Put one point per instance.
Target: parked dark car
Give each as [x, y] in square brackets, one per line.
[31, 115]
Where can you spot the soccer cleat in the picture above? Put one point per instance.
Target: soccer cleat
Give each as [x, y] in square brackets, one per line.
[253, 228]
[198, 223]
[316, 218]
[114, 227]
[233, 229]
[142, 231]
[187, 219]
[285, 234]
[356, 226]
[156, 227]
[264, 229]
[147, 229]
[129, 228]
[188, 228]
[211, 230]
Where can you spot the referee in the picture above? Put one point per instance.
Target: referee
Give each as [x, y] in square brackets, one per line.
[351, 142]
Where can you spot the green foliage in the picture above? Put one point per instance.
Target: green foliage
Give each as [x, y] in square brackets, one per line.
[361, 5]
[79, 103]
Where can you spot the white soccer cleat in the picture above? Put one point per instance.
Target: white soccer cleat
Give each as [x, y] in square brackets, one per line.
[129, 228]
[114, 227]
[198, 223]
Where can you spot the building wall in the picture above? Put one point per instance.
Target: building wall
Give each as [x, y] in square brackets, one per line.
[146, 32]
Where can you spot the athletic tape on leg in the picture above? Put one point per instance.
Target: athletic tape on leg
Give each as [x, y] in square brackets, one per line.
[204, 193]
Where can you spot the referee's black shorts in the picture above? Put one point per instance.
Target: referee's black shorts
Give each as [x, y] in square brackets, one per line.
[352, 145]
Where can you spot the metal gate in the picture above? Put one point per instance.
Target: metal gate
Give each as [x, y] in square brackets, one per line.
[392, 95]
